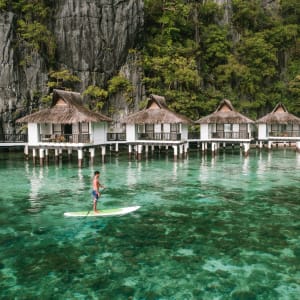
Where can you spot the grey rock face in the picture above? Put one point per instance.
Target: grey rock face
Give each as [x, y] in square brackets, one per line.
[93, 38]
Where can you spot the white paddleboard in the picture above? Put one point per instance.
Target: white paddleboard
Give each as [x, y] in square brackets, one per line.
[103, 212]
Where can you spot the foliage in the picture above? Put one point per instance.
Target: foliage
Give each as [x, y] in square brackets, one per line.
[62, 79]
[3, 4]
[119, 84]
[194, 58]
[32, 31]
[194, 53]
[97, 95]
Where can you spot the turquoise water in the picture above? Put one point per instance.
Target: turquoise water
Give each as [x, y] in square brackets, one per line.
[223, 227]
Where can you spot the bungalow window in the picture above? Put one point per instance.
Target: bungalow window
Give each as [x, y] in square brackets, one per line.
[149, 128]
[57, 129]
[227, 127]
[220, 127]
[84, 127]
[140, 128]
[174, 128]
[243, 127]
[289, 127]
[274, 127]
[68, 129]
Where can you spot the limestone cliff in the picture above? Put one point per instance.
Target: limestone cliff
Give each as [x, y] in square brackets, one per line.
[92, 37]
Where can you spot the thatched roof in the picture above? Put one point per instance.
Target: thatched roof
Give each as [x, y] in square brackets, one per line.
[156, 112]
[225, 114]
[279, 115]
[66, 108]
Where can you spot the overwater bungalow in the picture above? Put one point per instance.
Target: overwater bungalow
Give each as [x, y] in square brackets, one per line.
[157, 125]
[66, 125]
[279, 126]
[226, 126]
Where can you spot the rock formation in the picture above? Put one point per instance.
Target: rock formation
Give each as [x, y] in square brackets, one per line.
[92, 37]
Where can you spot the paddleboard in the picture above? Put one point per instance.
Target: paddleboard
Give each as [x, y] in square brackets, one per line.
[103, 212]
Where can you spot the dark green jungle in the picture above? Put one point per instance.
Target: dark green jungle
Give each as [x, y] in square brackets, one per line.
[196, 53]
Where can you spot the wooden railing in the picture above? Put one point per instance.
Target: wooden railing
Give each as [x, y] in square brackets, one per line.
[230, 135]
[284, 133]
[194, 135]
[159, 136]
[13, 138]
[66, 138]
[116, 136]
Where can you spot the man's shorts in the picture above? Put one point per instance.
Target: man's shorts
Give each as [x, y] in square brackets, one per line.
[95, 195]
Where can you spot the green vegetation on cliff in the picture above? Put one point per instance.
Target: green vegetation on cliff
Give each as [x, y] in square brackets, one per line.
[195, 56]
[195, 53]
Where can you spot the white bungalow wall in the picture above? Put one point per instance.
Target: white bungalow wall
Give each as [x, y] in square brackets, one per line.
[235, 127]
[45, 128]
[167, 128]
[33, 133]
[204, 131]
[262, 131]
[184, 132]
[98, 133]
[130, 132]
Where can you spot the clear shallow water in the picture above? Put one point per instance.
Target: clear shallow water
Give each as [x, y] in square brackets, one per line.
[209, 228]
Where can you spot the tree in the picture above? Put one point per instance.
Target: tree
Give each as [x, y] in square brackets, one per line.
[62, 79]
[97, 95]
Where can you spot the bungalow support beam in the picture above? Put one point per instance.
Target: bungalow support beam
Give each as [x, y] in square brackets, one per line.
[175, 148]
[69, 153]
[246, 149]
[117, 147]
[80, 157]
[180, 150]
[26, 152]
[46, 155]
[103, 152]
[129, 150]
[92, 154]
[34, 155]
[56, 154]
[139, 151]
[186, 148]
[42, 156]
[213, 148]
[269, 145]
[298, 146]
[146, 150]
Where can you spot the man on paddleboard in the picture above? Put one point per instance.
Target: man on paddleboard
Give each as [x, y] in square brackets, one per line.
[96, 193]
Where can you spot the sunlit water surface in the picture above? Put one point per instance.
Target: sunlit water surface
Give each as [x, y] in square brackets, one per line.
[224, 227]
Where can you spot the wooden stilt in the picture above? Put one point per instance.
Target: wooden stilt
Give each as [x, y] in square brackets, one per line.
[34, 155]
[92, 155]
[41, 154]
[175, 148]
[80, 157]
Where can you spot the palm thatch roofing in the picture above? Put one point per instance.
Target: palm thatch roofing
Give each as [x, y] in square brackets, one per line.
[279, 115]
[66, 108]
[225, 114]
[156, 112]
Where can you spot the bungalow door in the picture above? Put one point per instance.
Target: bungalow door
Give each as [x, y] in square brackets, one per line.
[149, 130]
[67, 131]
[174, 132]
[219, 131]
[243, 131]
[84, 134]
